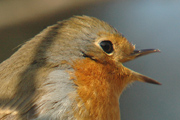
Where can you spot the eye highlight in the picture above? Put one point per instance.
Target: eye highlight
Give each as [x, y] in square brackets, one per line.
[107, 46]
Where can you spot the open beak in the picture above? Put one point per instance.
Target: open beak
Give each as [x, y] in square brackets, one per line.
[138, 53]
[138, 76]
[143, 78]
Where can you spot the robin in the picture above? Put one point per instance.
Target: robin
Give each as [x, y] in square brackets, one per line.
[72, 70]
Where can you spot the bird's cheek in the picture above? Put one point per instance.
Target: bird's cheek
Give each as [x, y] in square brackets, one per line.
[98, 56]
[116, 58]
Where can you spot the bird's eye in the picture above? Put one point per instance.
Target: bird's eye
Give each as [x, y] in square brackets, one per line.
[107, 46]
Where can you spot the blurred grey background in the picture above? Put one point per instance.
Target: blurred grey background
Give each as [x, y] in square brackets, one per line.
[148, 24]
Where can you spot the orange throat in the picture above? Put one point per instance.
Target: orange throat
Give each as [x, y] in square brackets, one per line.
[98, 87]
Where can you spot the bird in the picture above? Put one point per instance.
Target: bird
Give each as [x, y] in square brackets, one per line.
[72, 70]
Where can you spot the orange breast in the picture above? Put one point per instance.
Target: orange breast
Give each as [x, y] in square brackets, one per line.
[99, 87]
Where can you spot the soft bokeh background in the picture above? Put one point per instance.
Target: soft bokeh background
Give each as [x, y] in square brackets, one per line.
[148, 24]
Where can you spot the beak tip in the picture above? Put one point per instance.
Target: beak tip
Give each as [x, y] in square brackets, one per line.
[149, 80]
[154, 82]
[158, 83]
[157, 50]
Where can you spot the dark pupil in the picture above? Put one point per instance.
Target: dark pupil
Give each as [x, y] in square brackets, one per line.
[107, 46]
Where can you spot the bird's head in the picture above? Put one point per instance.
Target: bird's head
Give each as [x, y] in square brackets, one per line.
[89, 38]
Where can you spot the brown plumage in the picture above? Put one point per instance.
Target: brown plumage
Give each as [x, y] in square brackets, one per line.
[70, 71]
